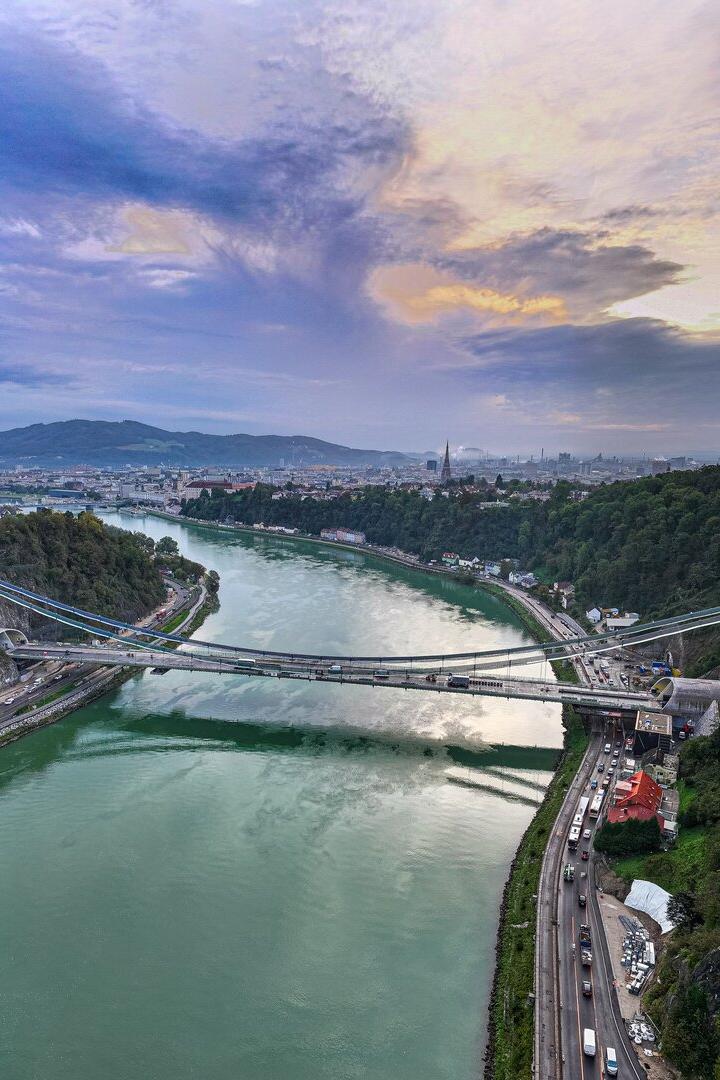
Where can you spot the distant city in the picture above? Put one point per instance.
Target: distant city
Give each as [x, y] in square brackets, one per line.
[166, 487]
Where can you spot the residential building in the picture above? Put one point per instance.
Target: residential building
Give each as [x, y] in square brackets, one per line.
[639, 790]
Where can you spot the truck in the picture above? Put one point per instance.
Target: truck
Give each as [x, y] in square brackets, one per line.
[573, 837]
[589, 1042]
[611, 1065]
[460, 681]
[568, 872]
[584, 934]
[586, 957]
[596, 805]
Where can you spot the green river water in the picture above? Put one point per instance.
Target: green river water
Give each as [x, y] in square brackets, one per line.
[230, 878]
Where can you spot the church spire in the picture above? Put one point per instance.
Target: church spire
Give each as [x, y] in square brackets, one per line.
[445, 474]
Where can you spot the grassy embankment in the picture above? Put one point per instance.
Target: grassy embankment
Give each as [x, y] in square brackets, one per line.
[46, 700]
[510, 1043]
[673, 869]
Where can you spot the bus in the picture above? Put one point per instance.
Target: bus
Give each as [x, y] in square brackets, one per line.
[596, 804]
[581, 811]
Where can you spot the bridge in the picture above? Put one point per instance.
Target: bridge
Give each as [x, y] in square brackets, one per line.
[602, 701]
[484, 672]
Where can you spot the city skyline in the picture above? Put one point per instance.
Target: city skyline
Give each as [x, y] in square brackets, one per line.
[373, 227]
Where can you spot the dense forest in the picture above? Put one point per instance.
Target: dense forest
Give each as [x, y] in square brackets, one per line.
[650, 545]
[80, 560]
[685, 999]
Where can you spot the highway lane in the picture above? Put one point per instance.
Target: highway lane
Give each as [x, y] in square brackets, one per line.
[559, 918]
[601, 1012]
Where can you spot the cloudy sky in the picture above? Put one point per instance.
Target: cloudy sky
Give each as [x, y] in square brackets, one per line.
[383, 224]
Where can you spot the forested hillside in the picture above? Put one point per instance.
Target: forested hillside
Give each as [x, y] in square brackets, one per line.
[685, 999]
[80, 560]
[650, 545]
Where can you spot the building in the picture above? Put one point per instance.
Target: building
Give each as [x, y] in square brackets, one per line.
[445, 475]
[566, 591]
[653, 731]
[594, 615]
[639, 790]
[450, 558]
[350, 536]
[621, 622]
[431, 465]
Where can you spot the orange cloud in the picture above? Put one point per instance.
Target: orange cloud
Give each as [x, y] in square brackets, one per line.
[416, 293]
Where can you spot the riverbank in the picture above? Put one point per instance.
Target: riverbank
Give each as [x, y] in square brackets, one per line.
[96, 683]
[496, 588]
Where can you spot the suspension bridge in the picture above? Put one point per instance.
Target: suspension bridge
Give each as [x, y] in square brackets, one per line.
[485, 672]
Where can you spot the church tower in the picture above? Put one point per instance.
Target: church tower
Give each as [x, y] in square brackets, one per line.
[445, 474]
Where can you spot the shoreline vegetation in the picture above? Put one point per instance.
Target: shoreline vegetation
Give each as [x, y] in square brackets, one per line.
[509, 1048]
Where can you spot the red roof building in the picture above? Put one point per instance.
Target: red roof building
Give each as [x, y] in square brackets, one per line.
[617, 814]
[640, 791]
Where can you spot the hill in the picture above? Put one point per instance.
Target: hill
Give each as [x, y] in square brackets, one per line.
[126, 442]
[78, 560]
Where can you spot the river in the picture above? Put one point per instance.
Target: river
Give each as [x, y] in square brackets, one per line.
[206, 877]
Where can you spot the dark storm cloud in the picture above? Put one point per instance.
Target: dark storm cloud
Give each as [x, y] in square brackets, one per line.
[584, 268]
[65, 129]
[631, 371]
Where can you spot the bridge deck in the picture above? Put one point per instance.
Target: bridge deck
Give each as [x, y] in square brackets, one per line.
[604, 700]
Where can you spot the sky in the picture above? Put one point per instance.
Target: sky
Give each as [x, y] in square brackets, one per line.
[493, 221]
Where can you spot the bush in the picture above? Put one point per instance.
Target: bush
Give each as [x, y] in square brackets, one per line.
[629, 838]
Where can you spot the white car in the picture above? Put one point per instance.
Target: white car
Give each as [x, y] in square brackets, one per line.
[587, 834]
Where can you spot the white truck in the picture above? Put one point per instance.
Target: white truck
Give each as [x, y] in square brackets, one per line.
[611, 1065]
[589, 1042]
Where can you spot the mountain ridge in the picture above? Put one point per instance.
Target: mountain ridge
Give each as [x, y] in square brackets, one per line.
[129, 442]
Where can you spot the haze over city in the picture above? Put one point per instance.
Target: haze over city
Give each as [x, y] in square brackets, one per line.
[381, 225]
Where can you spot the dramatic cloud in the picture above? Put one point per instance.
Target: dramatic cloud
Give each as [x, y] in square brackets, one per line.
[633, 376]
[376, 223]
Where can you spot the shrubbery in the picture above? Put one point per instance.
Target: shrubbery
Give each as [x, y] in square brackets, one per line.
[628, 838]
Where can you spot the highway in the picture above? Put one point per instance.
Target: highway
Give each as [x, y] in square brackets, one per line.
[562, 1013]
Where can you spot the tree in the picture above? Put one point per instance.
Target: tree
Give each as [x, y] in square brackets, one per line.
[629, 837]
[213, 581]
[682, 910]
[166, 546]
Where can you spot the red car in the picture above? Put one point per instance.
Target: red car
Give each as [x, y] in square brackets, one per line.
[584, 855]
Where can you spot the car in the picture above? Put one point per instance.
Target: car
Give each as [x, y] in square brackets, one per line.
[587, 833]
[582, 899]
[593, 785]
[585, 855]
[607, 748]
[601, 767]
[611, 769]
[586, 988]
